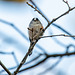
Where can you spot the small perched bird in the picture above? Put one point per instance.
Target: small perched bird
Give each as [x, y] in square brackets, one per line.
[35, 27]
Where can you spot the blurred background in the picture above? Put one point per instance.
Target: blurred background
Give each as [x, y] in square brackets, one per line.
[15, 16]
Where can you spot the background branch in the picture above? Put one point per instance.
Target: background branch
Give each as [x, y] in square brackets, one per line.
[46, 57]
[50, 68]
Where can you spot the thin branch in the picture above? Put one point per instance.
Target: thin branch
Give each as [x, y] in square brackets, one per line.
[57, 26]
[32, 60]
[5, 68]
[11, 68]
[59, 17]
[48, 56]
[57, 35]
[60, 55]
[35, 8]
[65, 1]
[42, 61]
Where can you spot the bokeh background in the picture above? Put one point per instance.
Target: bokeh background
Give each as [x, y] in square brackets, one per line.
[15, 17]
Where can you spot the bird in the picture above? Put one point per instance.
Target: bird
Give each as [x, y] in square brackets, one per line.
[35, 27]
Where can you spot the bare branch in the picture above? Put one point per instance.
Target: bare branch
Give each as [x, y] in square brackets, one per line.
[57, 35]
[42, 61]
[65, 1]
[5, 68]
[62, 29]
[35, 8]
[60, 55]
[40, 11]
[59, 17]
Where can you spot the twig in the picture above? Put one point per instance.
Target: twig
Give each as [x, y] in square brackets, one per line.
[59, 27]
[57, 35]
[59, 17]
[5, 68]
[49, 23]
[60, 55]
[40, 11]
[65, 1]
[24, 64]
[35, 8]
[42, 61]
